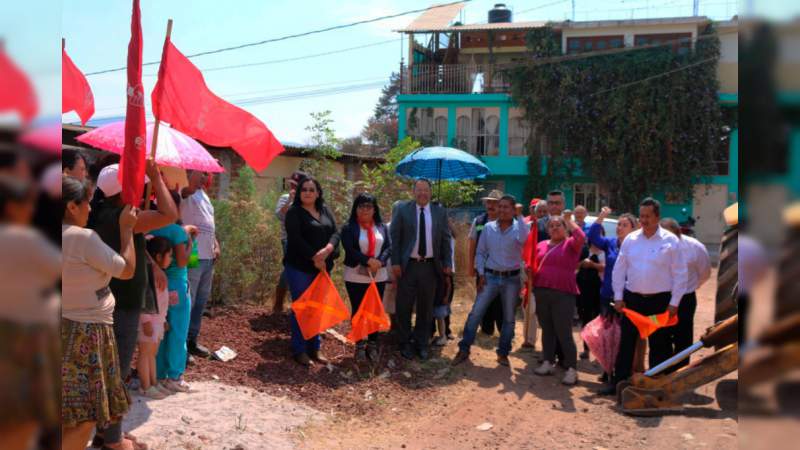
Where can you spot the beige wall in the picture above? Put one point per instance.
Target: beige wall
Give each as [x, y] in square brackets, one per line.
[728, 68]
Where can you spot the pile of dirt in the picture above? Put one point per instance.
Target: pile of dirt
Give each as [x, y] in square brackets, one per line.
[344, 387]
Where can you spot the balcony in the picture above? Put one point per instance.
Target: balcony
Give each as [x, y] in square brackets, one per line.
[427, 78]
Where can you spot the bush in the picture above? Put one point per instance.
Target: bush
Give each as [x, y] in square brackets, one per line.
[249, 235]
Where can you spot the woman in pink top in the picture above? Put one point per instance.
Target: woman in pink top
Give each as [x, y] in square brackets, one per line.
[555, 291]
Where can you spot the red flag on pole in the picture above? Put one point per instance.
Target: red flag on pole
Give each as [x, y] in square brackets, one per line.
[16, 91]
[132, 161]
[76, 95]
[182, 99]
[529, 258]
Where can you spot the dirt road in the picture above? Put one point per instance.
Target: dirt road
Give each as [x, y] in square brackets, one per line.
[530, 412]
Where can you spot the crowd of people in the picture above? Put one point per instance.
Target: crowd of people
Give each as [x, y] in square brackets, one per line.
[139, 278]
[574, 269]
[135, 281]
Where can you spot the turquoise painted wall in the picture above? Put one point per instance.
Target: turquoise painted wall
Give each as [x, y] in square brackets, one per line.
[513, 169]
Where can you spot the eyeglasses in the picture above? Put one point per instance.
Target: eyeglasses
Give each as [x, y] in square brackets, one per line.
[365, 206]
[309, 190]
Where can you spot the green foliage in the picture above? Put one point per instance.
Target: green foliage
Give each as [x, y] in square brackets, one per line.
[320, 162]
[634, 137]
[388, 187]
[381, 128]
[249, 235]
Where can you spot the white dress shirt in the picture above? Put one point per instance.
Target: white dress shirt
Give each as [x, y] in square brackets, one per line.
[353, 274]
[197, 210]
[698, 263]
[650, 265]
[428, 231]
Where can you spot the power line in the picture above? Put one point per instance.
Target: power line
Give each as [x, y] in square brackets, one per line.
[292, 36]
[652, 77]
[296, 58]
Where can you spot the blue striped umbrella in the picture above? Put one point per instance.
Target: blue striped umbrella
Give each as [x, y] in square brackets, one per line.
[441, 163]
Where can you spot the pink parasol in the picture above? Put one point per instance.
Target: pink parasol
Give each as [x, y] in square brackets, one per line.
[46, 138]
[175, 149]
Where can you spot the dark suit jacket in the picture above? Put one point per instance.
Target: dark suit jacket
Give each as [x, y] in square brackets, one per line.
[353, 257]
[404, 234]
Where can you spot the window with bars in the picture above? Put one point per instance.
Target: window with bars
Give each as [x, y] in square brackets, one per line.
[519, 132]
[586, 194]
[583, 44]
[681, 43]
[478, 130]
[428, 125]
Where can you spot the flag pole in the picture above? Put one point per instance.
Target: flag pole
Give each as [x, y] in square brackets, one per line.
[156, 126]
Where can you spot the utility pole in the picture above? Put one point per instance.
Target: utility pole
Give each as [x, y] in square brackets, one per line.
[573, 10]
[695, 7]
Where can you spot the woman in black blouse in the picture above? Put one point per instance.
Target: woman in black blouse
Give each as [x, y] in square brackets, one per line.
[313, 242]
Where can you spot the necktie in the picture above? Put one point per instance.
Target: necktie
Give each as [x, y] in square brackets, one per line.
[423, 243]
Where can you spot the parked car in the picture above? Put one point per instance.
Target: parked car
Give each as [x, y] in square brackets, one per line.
[609, 225]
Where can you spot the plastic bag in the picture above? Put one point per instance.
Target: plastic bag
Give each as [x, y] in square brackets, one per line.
[602, 336]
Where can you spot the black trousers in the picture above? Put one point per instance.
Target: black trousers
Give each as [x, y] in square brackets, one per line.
[682, 335]
[659, 342]
[414, 289]
[493, 317]
[356, 293]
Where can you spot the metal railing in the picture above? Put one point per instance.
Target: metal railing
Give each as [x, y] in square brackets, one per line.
[429, 78]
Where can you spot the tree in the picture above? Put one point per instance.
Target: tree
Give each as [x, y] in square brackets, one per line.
[381, 129]
[320, 162]
[638, 121]
[388, 187]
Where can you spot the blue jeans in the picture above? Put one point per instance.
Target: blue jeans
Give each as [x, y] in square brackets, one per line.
[200, 279]
[508, 290]
[298, 282]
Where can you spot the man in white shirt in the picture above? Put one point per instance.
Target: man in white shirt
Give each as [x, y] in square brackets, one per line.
[698, 266]
[197, 210]
[649, 277]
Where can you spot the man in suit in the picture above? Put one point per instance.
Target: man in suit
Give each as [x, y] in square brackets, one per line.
[555, 207]
[421, 253]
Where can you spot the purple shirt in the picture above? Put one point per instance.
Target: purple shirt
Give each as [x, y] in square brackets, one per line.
[557, 271]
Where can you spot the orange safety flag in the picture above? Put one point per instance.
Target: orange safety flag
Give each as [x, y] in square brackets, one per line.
[320, 307]
[370, 317]
[648, 325]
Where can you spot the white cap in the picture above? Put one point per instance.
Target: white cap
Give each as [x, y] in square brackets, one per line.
[50, 181]
[108, 180]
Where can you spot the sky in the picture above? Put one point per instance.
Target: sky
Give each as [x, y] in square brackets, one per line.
[97, 34]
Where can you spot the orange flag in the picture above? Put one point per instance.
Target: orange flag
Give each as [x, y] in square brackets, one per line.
[370, 317]
[648, 325]
[320, 307]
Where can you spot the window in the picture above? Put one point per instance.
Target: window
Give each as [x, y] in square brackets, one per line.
[681, 43]
[588, 195]
[428, 125]
[722, 154]
[518, 134]
[478, 130]
[594, 43]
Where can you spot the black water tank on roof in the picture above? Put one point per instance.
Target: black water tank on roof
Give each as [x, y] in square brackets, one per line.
[499, 14]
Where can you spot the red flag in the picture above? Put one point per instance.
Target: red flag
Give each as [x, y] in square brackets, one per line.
[16, 91]
[131, 164]
[182, 99]
[529, 258]
[320, 307]
[370, 318]
[648, 325]
[76, 95]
